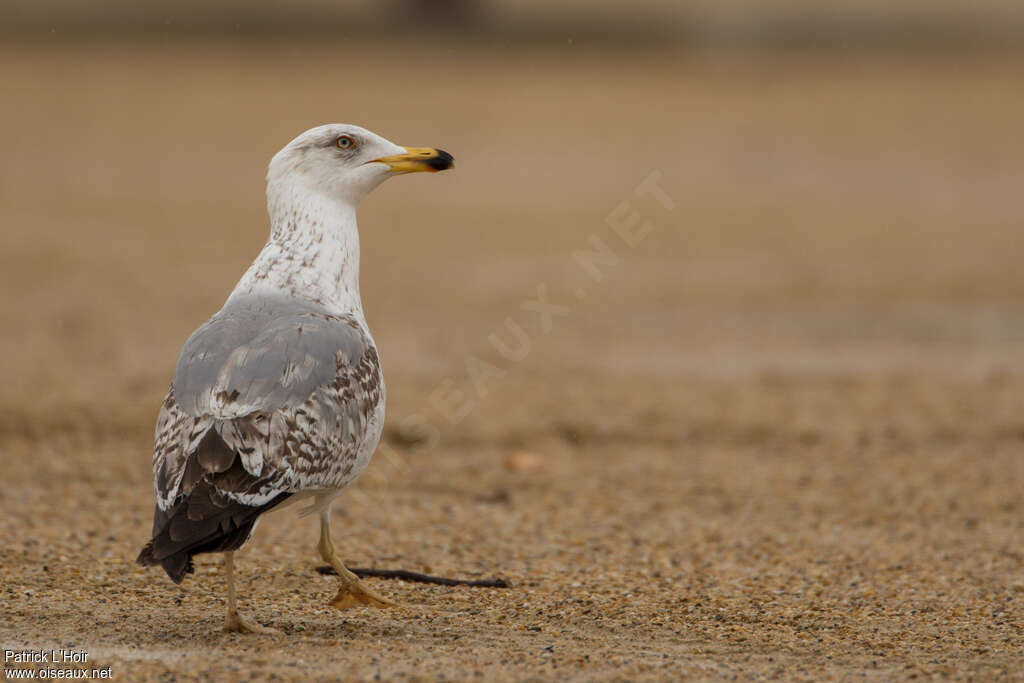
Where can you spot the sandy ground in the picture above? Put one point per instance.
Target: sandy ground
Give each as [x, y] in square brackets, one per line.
[777, 437]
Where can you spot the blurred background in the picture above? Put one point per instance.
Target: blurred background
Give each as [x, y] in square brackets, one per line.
[814, 352]
[696, 24]
[846, 179]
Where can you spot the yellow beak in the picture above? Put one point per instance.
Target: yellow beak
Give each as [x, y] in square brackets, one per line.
[419, 159]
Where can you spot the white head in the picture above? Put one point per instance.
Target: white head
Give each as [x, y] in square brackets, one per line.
[344, 162]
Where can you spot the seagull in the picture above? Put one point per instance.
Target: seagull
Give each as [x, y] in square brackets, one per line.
[279, 397]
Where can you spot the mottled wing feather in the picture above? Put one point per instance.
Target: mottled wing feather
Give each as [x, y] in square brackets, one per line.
[288, 387]
[270, 397]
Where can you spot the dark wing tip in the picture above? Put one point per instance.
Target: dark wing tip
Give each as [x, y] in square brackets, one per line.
[145, 557]
[176, 565]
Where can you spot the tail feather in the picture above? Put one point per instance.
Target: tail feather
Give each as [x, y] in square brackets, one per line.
[176, 566]
[180, 538]
[204, 518]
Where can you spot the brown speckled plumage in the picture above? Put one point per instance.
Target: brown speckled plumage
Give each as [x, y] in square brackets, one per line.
[305, 416]
[281, 391]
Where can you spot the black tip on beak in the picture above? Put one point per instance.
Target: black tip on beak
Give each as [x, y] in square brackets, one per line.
[442, 162]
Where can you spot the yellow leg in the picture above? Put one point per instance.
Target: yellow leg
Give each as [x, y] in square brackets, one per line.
[236, 623]
[352, 591]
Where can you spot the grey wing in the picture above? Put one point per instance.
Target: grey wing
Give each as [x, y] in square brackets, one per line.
[269, 398]
[290, 390]
[262, 355]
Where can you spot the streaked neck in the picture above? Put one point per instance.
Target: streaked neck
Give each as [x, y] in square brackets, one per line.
[312, 253]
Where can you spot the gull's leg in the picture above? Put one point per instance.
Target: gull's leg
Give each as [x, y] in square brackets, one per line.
[352, 591]
[236, 623]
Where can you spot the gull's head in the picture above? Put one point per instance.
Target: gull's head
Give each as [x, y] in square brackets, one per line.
[345, 162]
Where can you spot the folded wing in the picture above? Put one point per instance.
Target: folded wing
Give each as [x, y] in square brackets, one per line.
[270, 397]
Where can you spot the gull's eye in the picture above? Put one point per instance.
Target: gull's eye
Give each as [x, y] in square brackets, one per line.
[345, 142]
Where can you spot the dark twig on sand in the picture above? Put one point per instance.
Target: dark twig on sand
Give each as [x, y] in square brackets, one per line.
[406, 575]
